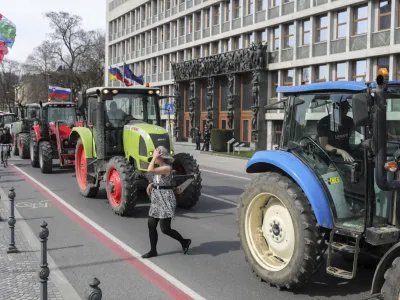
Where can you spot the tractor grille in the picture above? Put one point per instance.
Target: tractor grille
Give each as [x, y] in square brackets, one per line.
[161, 140]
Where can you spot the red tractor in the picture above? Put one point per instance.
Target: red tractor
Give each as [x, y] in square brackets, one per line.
[50, 136]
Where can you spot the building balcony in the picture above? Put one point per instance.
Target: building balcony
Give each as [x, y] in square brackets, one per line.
[338, 46]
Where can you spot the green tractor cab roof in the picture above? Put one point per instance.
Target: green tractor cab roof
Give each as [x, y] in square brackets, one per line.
[138, 89]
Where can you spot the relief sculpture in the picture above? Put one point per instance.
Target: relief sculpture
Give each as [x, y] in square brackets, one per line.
[177, 104]
[210, 100]
[231, 100]
[255, 107]
[191, 108]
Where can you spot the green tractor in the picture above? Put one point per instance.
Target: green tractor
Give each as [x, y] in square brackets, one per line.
[120, 133]
[20, 130]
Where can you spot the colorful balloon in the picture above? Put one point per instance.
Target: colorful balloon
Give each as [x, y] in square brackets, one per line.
[8, 32]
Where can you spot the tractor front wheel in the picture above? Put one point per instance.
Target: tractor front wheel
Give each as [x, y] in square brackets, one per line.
[391, 287]
[45, 157]
[121, 187]
[88, 191]
[34, 150]
[23, 145]
[278, 231]
[185, 164]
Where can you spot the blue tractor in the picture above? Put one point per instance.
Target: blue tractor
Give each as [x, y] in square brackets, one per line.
[331, 186]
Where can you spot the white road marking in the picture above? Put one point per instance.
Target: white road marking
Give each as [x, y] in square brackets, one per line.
[131, 251]
[220, 199]
[33, 205]
[230, 175]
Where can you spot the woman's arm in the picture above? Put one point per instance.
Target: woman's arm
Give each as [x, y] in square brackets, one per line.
[164, 170]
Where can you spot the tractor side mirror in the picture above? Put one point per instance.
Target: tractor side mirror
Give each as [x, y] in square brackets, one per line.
[361, 103]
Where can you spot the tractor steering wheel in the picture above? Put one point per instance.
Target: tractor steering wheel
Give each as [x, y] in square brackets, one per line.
[318, 146]
[128, 118]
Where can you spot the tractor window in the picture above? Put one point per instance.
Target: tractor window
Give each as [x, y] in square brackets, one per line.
[65, 114]
[32, 113]
[9, 119]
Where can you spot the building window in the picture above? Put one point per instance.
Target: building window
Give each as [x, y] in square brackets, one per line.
[261, 37]
[237, 40]
[289, 36]
[198, 21]
[189, 24]
[276, 36]
[275, 3]
[225, 44]
[341, 30]
[155, 67]
[182, 29]
[322, 28]
[237, 9]
[250, 7]
[384, 15]
[175, 24]
[197, 52]
[261, 5]
[207, 18]
[189, 54]
[360, 20]
[306, 32]
[321, 73]
[359, 70]
[305, 75]
[249, 39]
[206, 50]
[215, 48]
[341, 70]
[168, 32]
[382, 62]
[160, 63]
[227, 12]
[288, 77]
[216, 15]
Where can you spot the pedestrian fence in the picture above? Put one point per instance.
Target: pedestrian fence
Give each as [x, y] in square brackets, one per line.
[95, 292]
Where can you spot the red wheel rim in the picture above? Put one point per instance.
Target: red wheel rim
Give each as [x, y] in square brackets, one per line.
[114, 187]
[180, 171]
[81, 168]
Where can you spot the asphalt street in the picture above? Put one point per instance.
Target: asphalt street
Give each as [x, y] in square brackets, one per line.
[214, 268]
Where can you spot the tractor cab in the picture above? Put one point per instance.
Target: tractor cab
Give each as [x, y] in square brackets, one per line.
[6, 119]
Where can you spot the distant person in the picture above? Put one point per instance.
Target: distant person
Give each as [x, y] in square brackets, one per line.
[116, 117]
[5, 139]
[206, 135]
[163, 202]
[198, 139]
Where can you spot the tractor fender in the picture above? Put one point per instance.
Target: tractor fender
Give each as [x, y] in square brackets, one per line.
[36, 129]
[265, 161]
[85, 134]
[384, 264]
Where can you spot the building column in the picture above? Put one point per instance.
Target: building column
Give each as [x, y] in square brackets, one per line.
[179, 111]
[262, 102]
[212, 99]
[234, 89]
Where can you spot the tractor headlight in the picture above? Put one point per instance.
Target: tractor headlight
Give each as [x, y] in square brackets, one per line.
[151, 92]
[151, 153]
[105, 92]
[158, 92]
[114, 92]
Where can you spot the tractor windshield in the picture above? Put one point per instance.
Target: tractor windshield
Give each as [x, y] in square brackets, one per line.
[32, 112]
[8, 119]
[127, 108]
[66, 114]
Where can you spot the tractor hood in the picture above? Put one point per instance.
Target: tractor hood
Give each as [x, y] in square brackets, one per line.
[65, 130]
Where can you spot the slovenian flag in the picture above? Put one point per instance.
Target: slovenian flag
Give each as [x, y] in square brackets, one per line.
[129, 77]
[59, 92]
[115, 74]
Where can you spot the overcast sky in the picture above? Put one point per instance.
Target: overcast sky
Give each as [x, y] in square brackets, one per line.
[32, 27]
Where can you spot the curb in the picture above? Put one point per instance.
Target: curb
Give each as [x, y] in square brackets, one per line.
[223, 155]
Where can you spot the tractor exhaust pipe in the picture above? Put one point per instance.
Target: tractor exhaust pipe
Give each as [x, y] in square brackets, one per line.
[100, 127]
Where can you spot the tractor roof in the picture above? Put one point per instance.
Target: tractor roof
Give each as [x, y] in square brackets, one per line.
[5, 113]
[94, 89]
[59, 104]
[330, 86]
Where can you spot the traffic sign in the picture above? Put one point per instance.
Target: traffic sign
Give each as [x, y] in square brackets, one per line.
[169, 106]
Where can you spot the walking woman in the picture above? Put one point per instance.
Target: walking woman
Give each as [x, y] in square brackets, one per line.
[163, 202]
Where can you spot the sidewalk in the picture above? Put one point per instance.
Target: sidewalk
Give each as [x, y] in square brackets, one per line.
[19, 272]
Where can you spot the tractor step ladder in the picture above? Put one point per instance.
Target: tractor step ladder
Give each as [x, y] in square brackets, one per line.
[346, 248]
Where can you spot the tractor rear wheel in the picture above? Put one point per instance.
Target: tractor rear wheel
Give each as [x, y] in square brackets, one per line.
[34, 150]
[121, 186]
[23, 145]
[45, 157]
[15, 145]
[278, 231]
[391, 287]
[185, 164]
[87, 190]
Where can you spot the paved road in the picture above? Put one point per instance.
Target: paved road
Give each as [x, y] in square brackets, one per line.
[214, 268]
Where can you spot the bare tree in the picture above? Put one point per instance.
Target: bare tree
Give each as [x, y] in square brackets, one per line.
[10, 75]
[71, 43]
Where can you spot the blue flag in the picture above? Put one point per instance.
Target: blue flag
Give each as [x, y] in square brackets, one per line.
[129, 76]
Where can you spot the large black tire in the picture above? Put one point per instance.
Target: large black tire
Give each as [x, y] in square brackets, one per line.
[23, 145]
[87, 190]
[295, 214]
[119, 168]
[391, 287]
[15, 151]
[185, 164]
[34, 150]
[45, 157]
